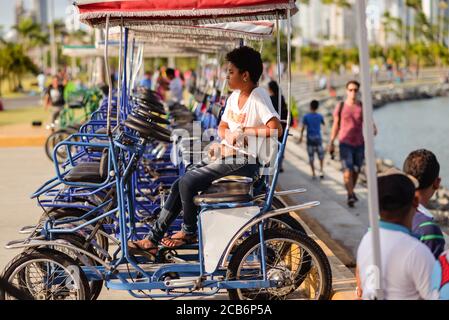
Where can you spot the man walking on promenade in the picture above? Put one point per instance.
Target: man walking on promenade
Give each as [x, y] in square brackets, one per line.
[348, 126]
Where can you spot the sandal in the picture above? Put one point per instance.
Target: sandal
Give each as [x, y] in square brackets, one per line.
[136, 248]
[178, 240]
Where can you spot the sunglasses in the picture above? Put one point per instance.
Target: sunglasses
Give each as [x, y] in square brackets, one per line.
[353, 90]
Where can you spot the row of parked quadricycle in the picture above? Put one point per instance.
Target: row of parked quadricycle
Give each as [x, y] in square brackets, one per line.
[114, 174]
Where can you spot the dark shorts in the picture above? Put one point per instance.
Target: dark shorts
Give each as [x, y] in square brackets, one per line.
[352, 157]
[315, 146]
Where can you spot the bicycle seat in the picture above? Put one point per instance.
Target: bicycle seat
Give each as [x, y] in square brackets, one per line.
[147, 132]
[149, 106]
[92, 172]
[235, 189]
[217, 198]
[146, 122]
[151, 116]
[149, 97]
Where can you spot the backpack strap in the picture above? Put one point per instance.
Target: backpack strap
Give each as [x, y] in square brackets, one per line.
[340, 107]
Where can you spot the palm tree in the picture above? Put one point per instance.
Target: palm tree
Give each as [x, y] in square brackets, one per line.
[339, 3]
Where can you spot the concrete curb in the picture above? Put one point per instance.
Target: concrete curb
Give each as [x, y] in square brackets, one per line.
[22, 141]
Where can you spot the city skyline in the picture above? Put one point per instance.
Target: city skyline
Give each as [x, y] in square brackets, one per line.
[7, 14]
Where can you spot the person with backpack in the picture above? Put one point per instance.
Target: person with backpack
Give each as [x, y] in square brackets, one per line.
[348, 127]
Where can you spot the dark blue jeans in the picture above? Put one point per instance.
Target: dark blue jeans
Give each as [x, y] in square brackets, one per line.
[199, 178]
[352, 157]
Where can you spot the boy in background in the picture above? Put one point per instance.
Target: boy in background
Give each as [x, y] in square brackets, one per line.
[313, 122]
[423, 165]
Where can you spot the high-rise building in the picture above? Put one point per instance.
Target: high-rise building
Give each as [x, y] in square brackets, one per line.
[19, 11]
[322, 24]
[40, 10]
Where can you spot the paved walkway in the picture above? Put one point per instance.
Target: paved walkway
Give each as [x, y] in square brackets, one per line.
[339, 226]
[25, 169]
[22, 102]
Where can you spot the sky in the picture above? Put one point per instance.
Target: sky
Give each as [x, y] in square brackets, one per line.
[7, 12]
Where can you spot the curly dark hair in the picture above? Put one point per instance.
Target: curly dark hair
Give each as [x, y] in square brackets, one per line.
[247, 59]
[423, 165]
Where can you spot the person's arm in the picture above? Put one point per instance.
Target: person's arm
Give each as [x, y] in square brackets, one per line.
[46, 100]
[272, 127]
[335, 128]
[324, 128]
[358, 289]
[301, 136]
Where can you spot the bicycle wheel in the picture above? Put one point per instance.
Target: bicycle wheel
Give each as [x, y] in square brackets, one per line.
[55, 138]
[95, 286]
[292, 258]
[10, 290]
[46, 275]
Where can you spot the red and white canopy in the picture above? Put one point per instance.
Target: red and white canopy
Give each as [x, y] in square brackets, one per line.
[248, 30]
[186, 12]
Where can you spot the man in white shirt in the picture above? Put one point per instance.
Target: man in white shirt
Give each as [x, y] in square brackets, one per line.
[406, 262]
[176, 87]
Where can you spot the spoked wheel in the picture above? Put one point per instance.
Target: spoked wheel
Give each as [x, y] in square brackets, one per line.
[95, 286]
[10, 290]
[293, 259]
[46, 275]
[55, 138]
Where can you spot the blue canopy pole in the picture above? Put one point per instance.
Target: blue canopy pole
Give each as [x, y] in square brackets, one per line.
[125, 75]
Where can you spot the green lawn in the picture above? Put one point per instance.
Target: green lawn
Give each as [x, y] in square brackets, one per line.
[25, 115]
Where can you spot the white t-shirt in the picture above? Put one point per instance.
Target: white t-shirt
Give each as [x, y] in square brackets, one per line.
[176, 90]
[257, 111]
[407, 266]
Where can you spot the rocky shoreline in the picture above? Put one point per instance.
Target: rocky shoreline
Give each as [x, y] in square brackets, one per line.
[439, 205]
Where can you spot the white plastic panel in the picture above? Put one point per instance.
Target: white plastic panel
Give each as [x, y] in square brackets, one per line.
[218, 228]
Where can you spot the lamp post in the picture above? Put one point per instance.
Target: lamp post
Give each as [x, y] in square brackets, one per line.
[53, 48]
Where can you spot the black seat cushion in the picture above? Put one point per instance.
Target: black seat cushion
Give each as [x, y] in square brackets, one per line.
[217, 198]
[231, 188]
[148, 97]
[146, 122]
[85, 172]
[93, 172]
[147, 132]
[151, 116]
[150, 105]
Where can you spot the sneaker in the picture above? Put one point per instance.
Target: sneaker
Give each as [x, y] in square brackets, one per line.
[355, 197]
[321, 175]
[351, 201]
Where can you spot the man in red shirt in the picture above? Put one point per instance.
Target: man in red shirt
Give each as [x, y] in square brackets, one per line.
[348, 126]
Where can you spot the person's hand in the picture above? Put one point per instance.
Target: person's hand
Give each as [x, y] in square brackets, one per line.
[331, 148]
[214, 151]
[233, 137]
